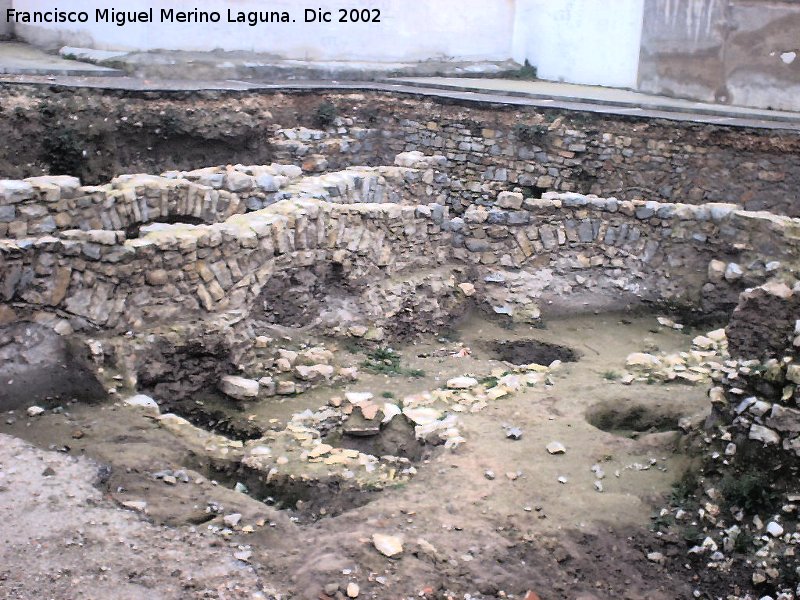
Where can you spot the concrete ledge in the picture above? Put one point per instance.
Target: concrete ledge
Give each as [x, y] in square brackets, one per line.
[20, 59]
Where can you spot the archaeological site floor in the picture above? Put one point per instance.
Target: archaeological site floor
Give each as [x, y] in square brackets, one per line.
[307, 344]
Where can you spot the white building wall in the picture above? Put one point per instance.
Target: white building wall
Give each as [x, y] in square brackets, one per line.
[577, 41]
[410, 30]
[581, 41]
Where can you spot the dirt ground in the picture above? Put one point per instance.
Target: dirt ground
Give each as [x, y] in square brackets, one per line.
[489, 519]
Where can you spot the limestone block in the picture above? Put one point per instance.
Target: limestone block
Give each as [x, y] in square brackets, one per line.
[156, 277]
[205, 297]
[314, 372]
[237, 182]
[763, 434]
[716, 271]
[13, 191]
[239, 388]
[510, 200]
[7, 213]
[143, 402]
[733, 272]
[784, 419]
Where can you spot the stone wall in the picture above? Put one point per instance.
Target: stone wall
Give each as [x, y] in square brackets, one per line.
[602, 248]
[516, 256]
[108, 281]
[44, 205]
[489, 148]
[493, 149]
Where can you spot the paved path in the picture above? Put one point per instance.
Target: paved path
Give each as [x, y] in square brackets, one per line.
[21, 59]
[594, 94]
[129, 83]
[20, 63]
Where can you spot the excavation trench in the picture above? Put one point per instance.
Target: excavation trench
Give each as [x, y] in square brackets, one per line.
[308, 494]
[314, 495]
[634, 418]
[527, 351]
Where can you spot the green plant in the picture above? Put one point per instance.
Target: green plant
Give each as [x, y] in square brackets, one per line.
[387, 395]
[386, 361]
[662, 523]
[489, 381]
[352, 345]
[743, 541]
[693, 535]
[749, 490]
[526, 71]
[325, 114]
[685, 487]
[47, 110]
[611, 375]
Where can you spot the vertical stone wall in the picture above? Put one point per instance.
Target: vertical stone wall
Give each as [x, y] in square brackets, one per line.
[377, 224]
[45, 205]
[489, 149]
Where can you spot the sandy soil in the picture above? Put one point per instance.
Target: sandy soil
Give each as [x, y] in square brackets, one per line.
[66, 534]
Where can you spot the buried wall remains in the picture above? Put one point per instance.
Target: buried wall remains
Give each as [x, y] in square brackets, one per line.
[490, 148]
[384, 232]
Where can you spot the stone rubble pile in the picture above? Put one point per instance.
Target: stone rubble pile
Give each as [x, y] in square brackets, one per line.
[742, 512]
[757, 395]
[707, 357]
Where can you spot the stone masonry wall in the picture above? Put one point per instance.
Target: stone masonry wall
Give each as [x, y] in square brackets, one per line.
[189, 270]
[536, 152]
[44, 205]
[490, 148]
[518, 254]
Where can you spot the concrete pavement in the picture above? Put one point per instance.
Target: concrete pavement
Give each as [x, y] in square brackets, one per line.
[595, 95]
[21, 59]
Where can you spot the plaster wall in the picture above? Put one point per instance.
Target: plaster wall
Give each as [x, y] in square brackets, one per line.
[730, 51]
[5, 27]
[408, 30]
[580, 41]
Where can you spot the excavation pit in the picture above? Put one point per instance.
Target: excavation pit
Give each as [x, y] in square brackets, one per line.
[630, 418]
[527, 351]
[396, 438]
[307, 499]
